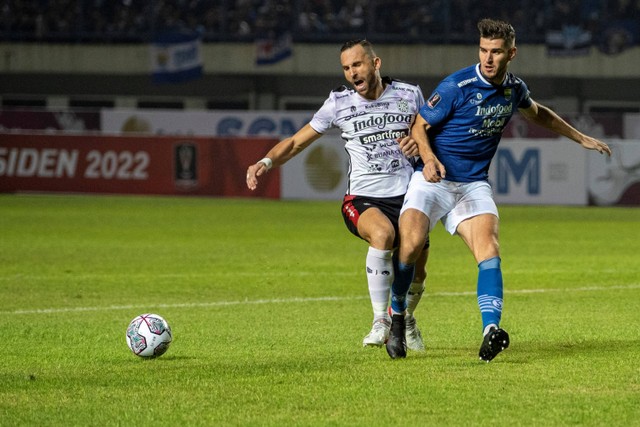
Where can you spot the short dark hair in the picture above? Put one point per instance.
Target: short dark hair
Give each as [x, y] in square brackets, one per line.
[366, 45]
[496, 29]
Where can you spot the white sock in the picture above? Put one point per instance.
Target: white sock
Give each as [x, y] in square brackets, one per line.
[413, 297]
[488, 328]
[379, 278]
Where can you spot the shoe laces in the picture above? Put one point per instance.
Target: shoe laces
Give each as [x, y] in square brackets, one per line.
[412, 328]
[410, 322]
[381, 323]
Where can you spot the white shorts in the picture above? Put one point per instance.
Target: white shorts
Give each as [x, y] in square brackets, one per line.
[448, 201]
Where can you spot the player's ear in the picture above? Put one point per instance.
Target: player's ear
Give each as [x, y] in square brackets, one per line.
[377, 62]
[512, 53]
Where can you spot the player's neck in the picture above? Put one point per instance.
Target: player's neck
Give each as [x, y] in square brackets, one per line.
[377, 90]
[497, 80]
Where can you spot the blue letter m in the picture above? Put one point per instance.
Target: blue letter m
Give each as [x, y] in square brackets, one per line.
[529, 166]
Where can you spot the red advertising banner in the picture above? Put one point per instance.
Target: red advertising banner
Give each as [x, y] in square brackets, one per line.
[133, 165]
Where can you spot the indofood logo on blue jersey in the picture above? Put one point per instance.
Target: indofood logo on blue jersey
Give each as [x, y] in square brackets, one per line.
[526, 168]
[494, 110]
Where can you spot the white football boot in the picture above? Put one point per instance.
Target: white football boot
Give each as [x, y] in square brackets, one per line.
[412, 334]
[379, 332]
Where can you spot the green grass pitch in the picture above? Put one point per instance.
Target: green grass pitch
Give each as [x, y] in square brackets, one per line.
[268, 304]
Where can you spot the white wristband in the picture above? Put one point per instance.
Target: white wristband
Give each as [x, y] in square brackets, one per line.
[267, 162]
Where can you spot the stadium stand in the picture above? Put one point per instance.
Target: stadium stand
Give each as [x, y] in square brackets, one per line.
[438, 21]
[82, 33]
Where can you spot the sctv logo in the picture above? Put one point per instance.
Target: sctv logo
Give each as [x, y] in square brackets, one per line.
[523, 170]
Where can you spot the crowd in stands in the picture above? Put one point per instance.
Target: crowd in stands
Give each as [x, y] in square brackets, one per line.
[408, 21]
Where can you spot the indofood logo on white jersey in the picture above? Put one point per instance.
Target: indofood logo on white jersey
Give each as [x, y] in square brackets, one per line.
[494, 110]
[381, 121]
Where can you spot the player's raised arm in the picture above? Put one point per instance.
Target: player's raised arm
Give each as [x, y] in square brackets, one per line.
[547, 118]
[282, 152]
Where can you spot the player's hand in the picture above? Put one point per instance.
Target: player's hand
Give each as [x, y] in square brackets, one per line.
[253, 172]
[595, 144]
[408, 146]
[433, 170]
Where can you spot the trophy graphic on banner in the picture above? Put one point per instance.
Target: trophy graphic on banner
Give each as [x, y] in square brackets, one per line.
[186, 161]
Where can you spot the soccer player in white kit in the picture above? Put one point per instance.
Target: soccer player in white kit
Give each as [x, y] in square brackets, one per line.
[458, 131]
[374, 116]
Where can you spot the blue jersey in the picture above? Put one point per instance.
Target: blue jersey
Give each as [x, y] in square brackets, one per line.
[468, 114]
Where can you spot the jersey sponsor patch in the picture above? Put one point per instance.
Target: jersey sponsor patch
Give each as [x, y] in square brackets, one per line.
[434, 100]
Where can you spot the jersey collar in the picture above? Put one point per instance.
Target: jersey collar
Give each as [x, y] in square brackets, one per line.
[481, 77]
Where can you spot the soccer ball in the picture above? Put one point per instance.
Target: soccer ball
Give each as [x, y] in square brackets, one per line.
[149, 335]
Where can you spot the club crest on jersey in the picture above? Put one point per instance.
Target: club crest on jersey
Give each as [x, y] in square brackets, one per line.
[403, 106]
[477, 100]
[434, 100]
[507, 94]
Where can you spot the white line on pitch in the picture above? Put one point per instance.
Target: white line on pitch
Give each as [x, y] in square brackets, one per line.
[300, 299]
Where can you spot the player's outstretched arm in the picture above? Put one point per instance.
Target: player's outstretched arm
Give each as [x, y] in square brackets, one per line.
[592, 143]
[281, 153]
[546, 117]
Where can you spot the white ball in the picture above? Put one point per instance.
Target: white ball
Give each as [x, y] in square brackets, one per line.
[149, 335]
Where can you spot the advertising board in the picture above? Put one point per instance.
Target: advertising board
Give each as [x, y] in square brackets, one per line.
[132, 165]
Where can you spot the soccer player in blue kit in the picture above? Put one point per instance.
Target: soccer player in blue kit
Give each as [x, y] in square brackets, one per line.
[458, 131]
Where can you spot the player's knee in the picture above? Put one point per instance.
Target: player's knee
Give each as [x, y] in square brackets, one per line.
[382, 238]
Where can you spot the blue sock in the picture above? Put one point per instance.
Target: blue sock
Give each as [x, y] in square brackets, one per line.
[490, 291]
[400, 287]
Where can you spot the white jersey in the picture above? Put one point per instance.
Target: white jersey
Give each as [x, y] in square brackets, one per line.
[377, 166]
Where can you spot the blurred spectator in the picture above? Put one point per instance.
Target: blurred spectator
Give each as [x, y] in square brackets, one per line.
[436, 21]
